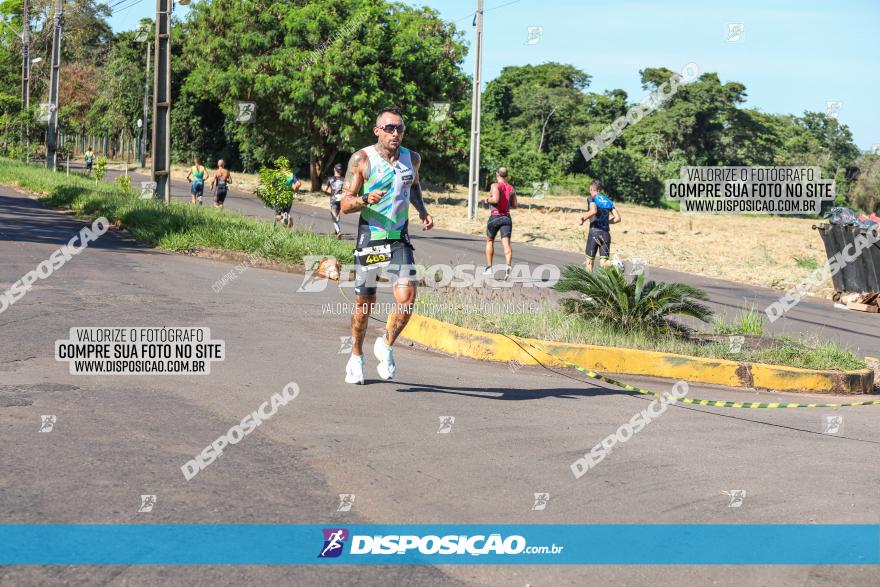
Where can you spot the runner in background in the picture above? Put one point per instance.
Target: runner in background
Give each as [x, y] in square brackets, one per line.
[90, 160]
[502, 197]
[196, 176]
[220, 183]
[282, 213]
[333, 186]
[601, 214]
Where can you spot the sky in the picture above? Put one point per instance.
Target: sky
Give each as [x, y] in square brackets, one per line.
[792, 56]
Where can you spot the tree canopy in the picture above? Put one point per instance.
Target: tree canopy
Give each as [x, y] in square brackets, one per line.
[319, 70]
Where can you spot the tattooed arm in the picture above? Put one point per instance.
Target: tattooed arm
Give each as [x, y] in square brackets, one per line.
[415, 195]
[358, 170]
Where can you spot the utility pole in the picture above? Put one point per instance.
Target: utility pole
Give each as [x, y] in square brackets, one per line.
[26, 75]
[161, 166]
[143, 133]
[474, 174]
[52, 131]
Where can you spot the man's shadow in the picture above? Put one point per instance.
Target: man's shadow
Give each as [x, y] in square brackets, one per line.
[514, 394]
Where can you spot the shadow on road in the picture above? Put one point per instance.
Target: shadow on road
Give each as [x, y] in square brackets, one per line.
[33, 224]
[510, 394]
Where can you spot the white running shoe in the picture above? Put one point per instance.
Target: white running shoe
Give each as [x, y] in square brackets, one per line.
[354, 370]
[385, 354]
[488, 272]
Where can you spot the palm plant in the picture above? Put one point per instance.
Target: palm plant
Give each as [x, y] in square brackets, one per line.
[608, 295]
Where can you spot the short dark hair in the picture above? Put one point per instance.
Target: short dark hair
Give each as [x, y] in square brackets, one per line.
[502, 172]
[597, 185]
[392, 110]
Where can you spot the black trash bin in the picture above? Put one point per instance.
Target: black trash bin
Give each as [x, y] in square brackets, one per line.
[859, 276]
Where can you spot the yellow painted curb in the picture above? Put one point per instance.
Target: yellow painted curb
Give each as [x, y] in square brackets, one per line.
[486, 346]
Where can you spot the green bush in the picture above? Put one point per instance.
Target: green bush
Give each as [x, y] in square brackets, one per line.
[124, 182]
[100, 168]
[272, 187]
[627, 177]
[608, 296]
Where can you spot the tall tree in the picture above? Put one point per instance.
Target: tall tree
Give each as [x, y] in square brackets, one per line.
[319, 71]
[530, 116]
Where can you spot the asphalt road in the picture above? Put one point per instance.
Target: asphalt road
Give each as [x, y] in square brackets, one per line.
[515, 433]
[811, 318]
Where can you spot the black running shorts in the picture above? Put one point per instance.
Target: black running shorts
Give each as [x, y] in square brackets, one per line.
[392, 259]
[499, 223]
[598, 240]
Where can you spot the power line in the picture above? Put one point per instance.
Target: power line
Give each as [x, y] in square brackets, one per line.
[471, 15]
[135, 3]
[117, 3]
[502, 5]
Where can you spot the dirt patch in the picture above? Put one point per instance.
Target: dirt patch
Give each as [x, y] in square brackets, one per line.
[251, 260]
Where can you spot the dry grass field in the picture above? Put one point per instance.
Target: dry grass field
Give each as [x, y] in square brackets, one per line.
[760, 250]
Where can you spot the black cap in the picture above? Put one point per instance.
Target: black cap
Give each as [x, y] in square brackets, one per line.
[338, 167]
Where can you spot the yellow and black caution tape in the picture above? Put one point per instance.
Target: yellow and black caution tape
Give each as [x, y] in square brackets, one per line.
[692, 400]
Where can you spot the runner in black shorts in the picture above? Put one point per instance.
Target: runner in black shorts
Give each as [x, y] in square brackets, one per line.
[602, 214]
[220, 183]
[333, 186]
[381, 182]
[496, 224]
[502, 197]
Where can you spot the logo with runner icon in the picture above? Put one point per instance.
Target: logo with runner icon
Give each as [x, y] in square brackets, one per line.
[334, 541]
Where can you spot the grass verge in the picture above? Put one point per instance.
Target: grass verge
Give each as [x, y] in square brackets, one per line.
[178, 227]
[547, 322]
[749, 322]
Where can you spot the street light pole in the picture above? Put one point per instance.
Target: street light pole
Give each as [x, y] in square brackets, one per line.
[161, 166]
[474, 170]
[143, 133]
[52, 132]
[26, 75]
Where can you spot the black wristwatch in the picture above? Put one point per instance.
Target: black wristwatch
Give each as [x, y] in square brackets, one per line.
[366, 199]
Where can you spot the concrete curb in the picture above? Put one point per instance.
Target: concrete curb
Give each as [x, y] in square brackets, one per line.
[486, 346]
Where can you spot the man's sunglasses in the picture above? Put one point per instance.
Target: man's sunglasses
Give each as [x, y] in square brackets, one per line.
[390, 128]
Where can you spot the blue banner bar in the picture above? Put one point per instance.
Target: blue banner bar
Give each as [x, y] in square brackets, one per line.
[621, 544]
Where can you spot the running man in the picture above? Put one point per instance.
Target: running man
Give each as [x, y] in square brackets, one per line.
[502, 197]
[220, 183]
[90, 160]
[333, 186]
[381, 182]
[196, 176]
[282, 213]
[601, 215]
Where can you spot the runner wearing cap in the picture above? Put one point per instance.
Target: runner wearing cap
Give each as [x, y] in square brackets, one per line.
[333, 186]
